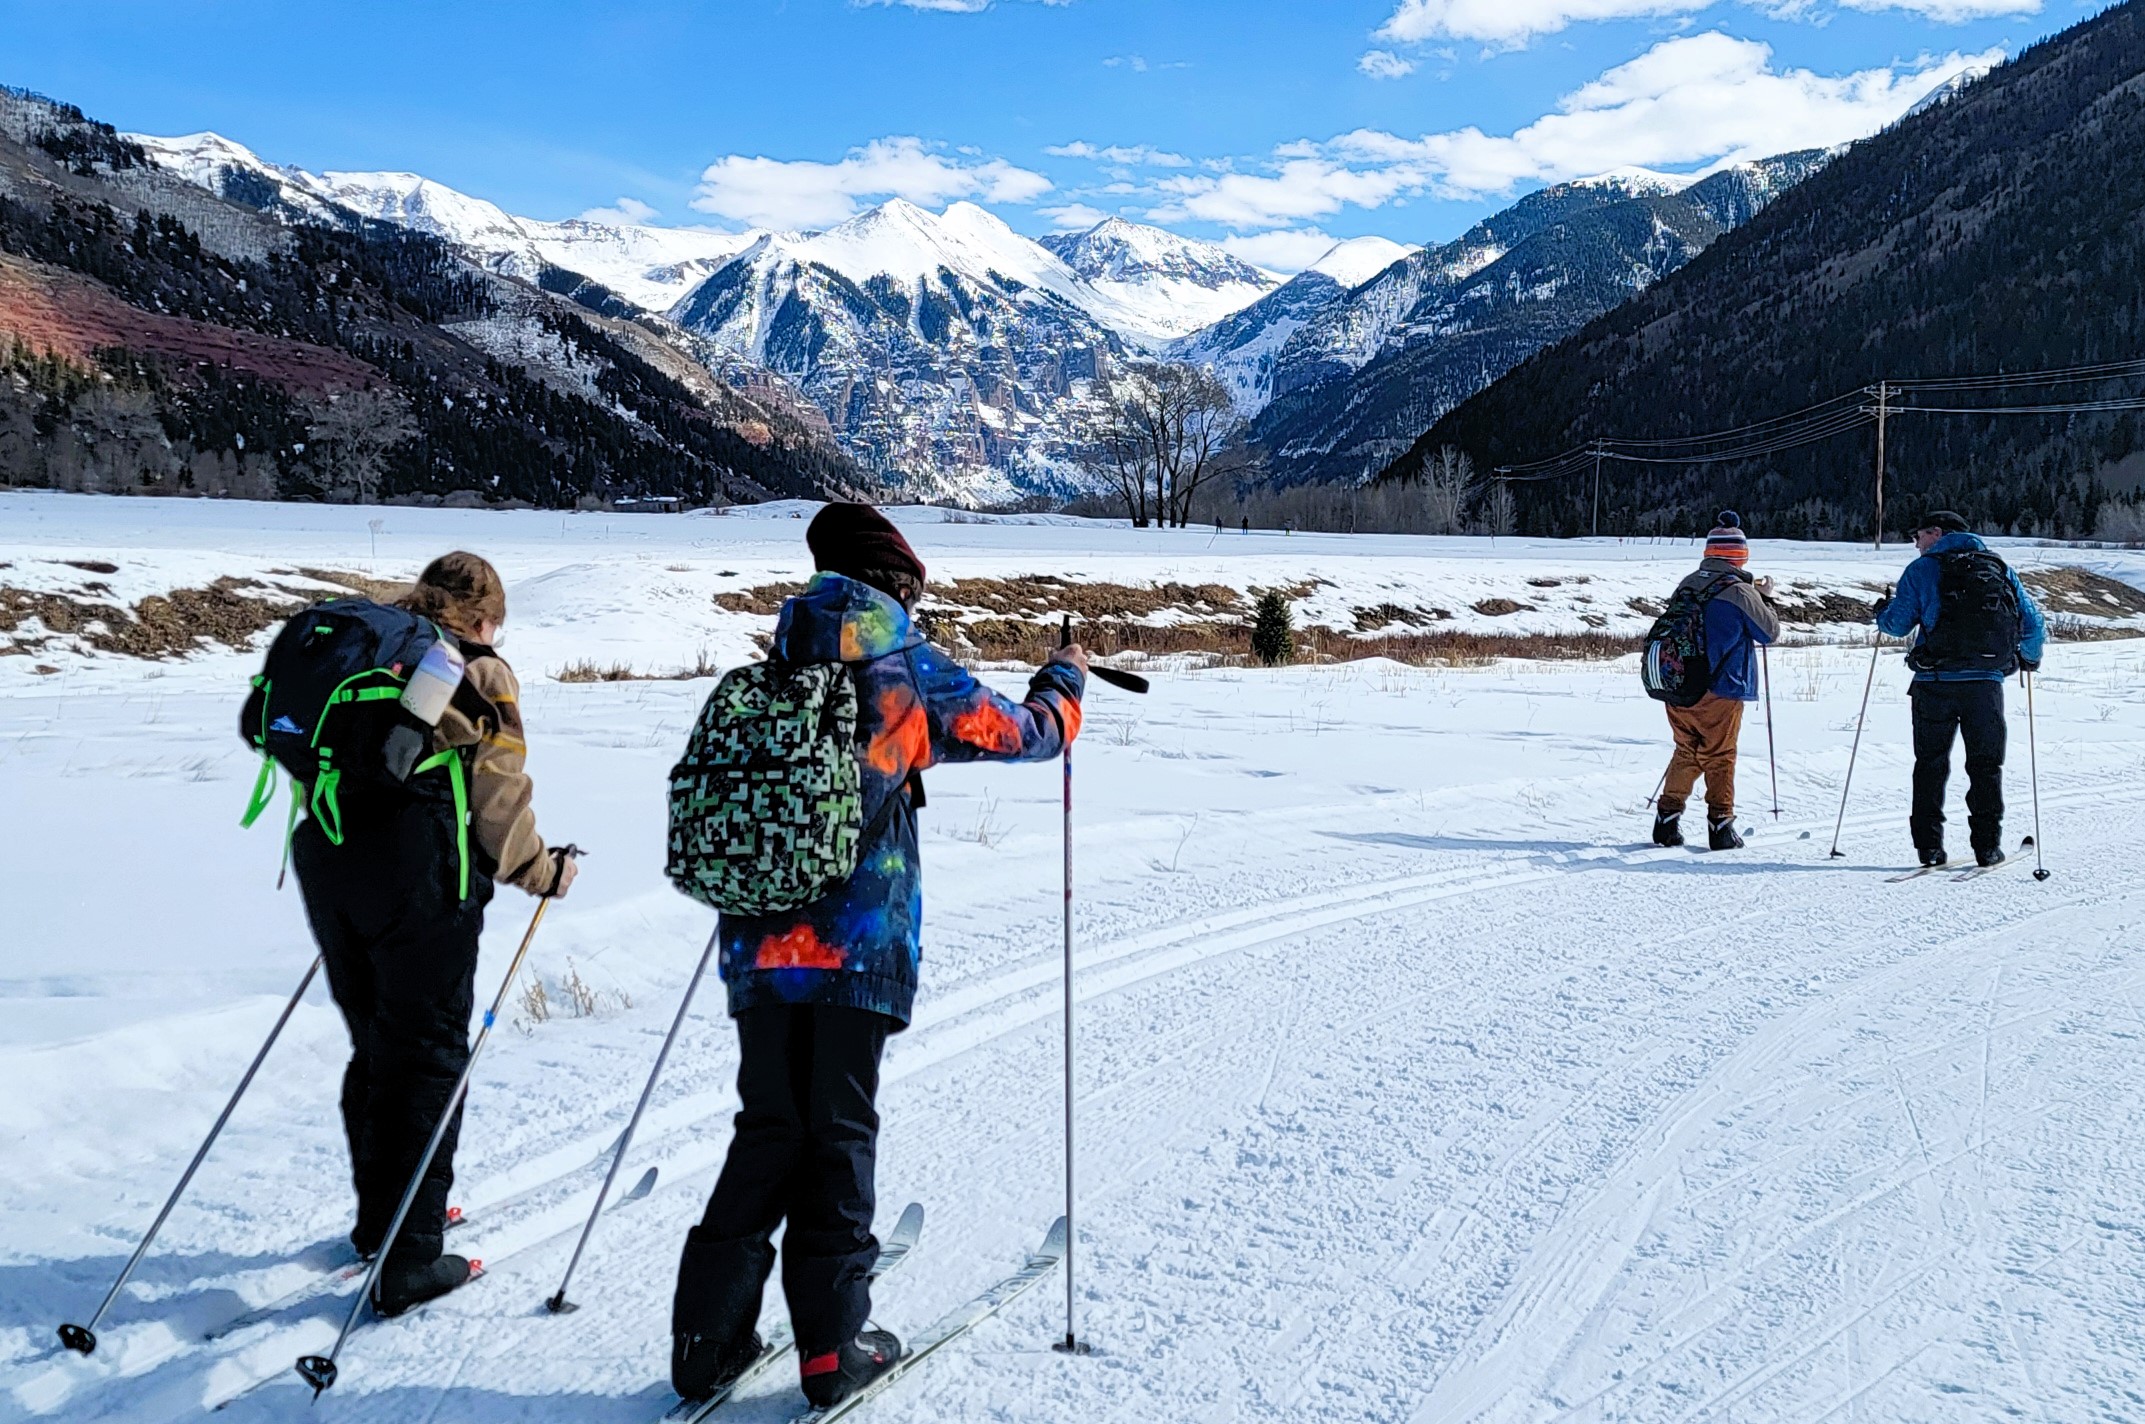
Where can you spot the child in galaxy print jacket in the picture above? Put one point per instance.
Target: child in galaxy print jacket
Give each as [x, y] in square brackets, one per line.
[860, 944]
[815, 991]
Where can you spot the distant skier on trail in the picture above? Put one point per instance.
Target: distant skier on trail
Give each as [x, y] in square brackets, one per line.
[816, 990]
[388, 892]
[1975, 625]
[1714, 620]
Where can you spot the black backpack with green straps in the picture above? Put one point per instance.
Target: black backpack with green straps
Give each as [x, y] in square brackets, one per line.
[326, 701]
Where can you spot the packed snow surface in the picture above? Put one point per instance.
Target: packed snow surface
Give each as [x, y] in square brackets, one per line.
[1412, 1084]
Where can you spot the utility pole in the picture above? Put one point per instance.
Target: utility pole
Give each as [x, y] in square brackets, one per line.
[1884, 395]
[1597, 489]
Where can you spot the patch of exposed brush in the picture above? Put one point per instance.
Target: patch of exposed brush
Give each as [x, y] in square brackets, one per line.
[589, 670]
[2081, 591]
[229, 611]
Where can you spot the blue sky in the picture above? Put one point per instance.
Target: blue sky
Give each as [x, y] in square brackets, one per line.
[1271, 124]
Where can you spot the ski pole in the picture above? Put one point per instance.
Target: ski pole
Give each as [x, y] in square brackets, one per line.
[1657, 787]
[1856, 749]
[1772, 754]
[1072, 1344]
[2033, 760]
[319, 1370]
[558, 1304]
[83, 1338]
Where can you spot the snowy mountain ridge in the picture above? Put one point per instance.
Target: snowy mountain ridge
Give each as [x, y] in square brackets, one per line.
[651, 267]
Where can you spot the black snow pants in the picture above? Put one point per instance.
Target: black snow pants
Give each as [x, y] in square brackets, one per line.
[1975, 710]
[805, 1146]
[400, 946]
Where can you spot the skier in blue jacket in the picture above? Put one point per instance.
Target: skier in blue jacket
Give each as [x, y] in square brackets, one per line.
[1974, 625]
[817, 990]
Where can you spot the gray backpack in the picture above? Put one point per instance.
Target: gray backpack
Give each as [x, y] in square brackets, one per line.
[767, 804]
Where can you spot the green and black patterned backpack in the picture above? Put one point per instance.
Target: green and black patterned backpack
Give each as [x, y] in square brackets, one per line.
[767, 804]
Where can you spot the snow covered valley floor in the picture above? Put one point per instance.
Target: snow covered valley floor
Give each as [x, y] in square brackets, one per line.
[1413, 1086]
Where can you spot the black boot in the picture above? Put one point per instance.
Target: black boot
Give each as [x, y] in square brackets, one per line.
[1720, 835]
[830, 1378]
[1933, 856]
[1992, 856]
[1668, 830]
[701, 1367]
[403, 1287]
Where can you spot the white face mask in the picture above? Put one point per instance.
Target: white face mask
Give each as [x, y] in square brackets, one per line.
[498, 638]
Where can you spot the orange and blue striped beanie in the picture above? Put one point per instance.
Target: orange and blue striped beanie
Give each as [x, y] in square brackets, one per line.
[1727, 541]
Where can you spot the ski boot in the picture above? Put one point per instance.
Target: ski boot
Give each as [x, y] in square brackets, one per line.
[1992, 856]
[702, 1367]
[1668, 830]
[1720, 835]
[1933, 857]
[830, 1378]
[405, 1287]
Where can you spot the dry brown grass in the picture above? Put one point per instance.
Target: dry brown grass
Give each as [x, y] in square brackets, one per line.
[766, 599]
[159, 626]
[376, 589]
[1385, 615]
[2081, 591]
[1499, 607]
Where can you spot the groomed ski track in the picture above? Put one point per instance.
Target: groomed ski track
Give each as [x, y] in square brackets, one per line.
[1528, 1233]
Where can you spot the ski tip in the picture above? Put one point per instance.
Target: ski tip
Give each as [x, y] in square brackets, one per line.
[1055, 1242]
[909, 1227]
[641, 1188]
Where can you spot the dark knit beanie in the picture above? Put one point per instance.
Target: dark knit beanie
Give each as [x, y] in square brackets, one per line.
[1944, 519]
[854, 539]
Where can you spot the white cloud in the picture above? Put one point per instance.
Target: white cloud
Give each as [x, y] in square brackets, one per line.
[803, 193]
[1384, 64]
[1950, 12]
[1508, 23]
[1511, 24]
[1139, 154]
[1687, 102]
[1289, 250]
[1299, 188]
[626, 212]
[1074, 217]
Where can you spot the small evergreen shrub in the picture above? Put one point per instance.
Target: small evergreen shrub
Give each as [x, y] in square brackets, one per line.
[1273, 637]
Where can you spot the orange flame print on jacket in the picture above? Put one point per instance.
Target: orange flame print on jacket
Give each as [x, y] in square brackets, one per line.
[799, 948]
[987, 726]
[903, 743]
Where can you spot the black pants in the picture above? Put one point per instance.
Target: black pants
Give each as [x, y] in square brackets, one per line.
[400, 948]
[805, 1146]
[1974, 709]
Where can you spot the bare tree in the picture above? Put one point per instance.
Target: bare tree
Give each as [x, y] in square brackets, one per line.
[1500, 514]
[1447, 482]
[1164, 433]
[349, 434]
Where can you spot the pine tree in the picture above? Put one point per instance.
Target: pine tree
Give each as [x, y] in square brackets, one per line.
[1273, 639]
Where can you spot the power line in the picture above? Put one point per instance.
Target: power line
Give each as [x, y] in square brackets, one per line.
[1827, 418]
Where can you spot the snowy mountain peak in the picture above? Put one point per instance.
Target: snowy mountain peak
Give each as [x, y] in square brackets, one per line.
[1116, 250]
[1636, 182]
[1357, 260]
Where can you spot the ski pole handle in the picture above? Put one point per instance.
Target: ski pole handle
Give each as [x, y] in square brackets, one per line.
[1127, 681]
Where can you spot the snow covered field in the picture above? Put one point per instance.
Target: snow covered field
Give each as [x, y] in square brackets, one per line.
[1412, 1086]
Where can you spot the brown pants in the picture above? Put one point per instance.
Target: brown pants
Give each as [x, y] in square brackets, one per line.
[1706, 736]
